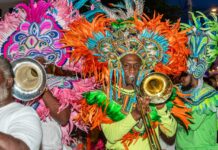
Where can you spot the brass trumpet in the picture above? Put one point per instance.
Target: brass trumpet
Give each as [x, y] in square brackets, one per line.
[30, 79]
[158, 87]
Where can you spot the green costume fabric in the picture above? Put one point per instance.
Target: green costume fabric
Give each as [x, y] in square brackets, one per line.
[115, 131]
[202, 134]
[124, 123]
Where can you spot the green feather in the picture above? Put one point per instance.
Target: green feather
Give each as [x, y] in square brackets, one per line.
[90, 97]
[153, 114]
[113, 110]
[169, 105]
[194, 19]
[101, 98]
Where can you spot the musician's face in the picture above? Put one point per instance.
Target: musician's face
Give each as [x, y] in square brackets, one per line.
[4, 92]
[131, 64]
[186, 81]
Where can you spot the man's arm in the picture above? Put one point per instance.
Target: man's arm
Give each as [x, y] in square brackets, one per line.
[168, 124]
[25, 125]
[53, 105]
[50, 101]
[8, 142]
[115, 131]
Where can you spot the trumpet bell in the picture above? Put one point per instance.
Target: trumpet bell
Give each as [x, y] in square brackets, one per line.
[157, 86]
[30, 79]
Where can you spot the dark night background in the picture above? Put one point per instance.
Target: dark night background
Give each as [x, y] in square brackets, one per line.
[174, 9]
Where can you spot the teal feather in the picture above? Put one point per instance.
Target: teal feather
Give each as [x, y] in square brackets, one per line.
[162, 41]
[203, 39]
[79, 4]
[98, 36]
[198, 43]
[91, 43]
[165, 59]
[108, 34]
[89, 15]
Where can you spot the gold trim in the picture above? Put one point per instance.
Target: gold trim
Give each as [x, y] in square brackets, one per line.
[124, 91]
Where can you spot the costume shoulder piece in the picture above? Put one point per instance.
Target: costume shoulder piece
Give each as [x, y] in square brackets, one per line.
[204, 100]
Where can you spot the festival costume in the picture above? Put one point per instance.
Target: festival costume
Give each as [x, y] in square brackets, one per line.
[100, 44]
[34, 30]
[203, 99]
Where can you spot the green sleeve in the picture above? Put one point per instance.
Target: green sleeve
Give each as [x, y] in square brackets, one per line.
[168, 123]
[115, 131]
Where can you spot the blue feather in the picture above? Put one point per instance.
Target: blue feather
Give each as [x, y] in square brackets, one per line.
[91, 14]
[108, 34]
[123, 76]
[165, 59]
[79, 4]
[98, 36]
[91, 43]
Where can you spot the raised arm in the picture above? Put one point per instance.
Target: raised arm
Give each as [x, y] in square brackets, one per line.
[52, 103]
[53, 69]
[58, 71]
[115, 131]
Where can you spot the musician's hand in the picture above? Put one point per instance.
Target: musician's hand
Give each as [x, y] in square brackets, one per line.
[49, 68]
[41, 60]
[160, 106]
[143, 103]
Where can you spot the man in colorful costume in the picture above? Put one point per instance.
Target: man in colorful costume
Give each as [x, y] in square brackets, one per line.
[120, 51]
[202, 99]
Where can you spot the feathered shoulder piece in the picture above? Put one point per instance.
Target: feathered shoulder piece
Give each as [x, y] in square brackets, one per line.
[203, 100]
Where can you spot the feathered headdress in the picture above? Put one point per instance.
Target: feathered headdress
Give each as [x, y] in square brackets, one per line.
[202, 42]
[100, 44]
[104, 41]
[36, 30]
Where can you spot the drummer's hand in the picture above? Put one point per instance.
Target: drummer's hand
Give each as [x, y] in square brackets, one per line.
[143, 103]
